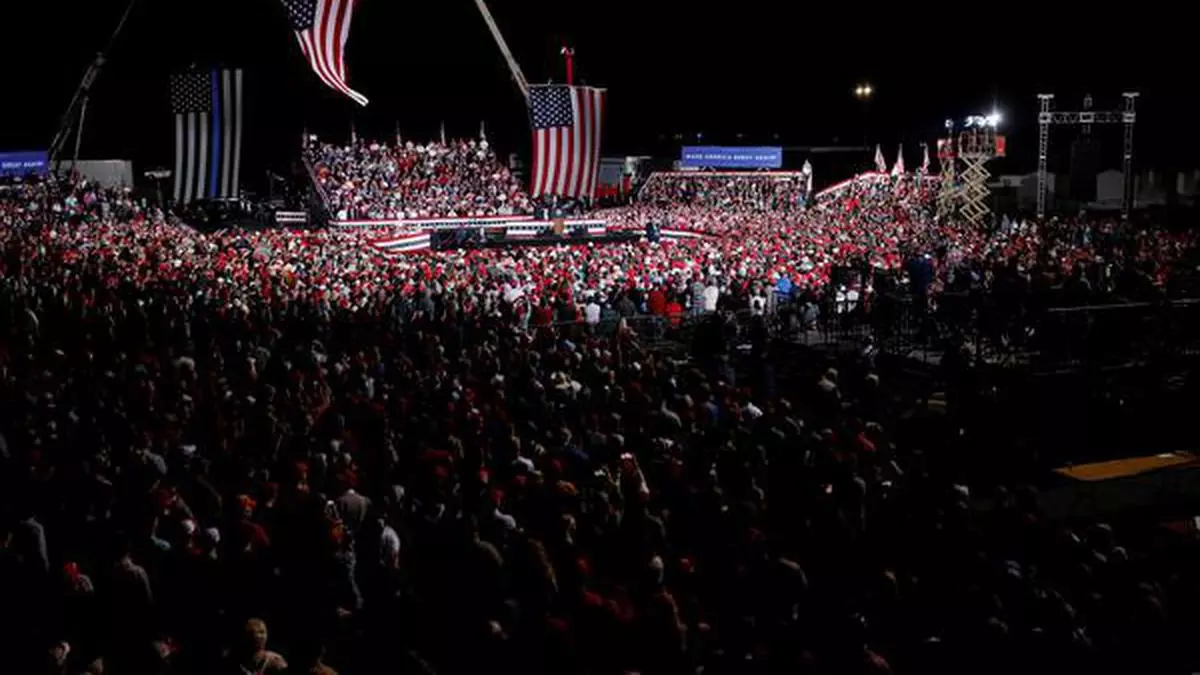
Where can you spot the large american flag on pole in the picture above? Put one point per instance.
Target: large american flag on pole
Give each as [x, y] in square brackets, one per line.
[322, 28]
[208, 134]
[567, 123]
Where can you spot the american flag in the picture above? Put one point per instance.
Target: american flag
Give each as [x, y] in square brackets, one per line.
[567, 123]
[322, 28]
[208, 134]
[409, 243]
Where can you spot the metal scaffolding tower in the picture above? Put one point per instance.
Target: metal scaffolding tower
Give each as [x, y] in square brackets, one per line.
[976, 147]
[1128, 117]
[975, 192]
[1045, 101]
[1047, 117]
[947, 196]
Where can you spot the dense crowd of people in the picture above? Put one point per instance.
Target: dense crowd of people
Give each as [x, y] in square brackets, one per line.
[768, 191]
[762, 232]
[375, 181]
[287, 451]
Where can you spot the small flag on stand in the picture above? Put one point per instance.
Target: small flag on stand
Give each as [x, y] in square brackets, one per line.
[443, 133]
[898, 167]
[880, 162]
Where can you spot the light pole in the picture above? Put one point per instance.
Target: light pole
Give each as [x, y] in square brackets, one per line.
[863, 93]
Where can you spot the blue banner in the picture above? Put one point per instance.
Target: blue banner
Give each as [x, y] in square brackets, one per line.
[24, 163]
[719, 157]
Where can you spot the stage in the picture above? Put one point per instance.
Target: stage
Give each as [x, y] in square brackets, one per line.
[502, 237]
[499, 238]
[474, 233]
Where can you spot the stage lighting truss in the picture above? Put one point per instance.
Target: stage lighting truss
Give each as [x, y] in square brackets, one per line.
[1085, 118]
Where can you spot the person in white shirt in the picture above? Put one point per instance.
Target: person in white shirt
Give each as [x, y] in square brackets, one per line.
[389, 546]
[591, 312]
[852, 297]
[711, 295]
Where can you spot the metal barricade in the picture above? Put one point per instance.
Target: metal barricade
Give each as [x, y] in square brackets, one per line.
[1105, 336]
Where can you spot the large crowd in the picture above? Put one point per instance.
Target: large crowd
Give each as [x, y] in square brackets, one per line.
[764, 238]
[376, 181]
[765, 191]
[287, 451]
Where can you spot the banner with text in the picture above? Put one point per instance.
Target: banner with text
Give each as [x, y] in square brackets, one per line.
[23, 163]
[732, 157]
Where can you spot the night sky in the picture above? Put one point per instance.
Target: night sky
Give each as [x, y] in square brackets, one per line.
[750, 72]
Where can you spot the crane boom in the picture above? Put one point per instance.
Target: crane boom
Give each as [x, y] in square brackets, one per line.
[513, 68]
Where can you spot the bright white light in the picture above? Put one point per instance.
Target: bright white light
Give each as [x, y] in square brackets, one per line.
[981, 121]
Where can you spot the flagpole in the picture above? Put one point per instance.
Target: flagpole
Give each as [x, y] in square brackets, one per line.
[568, 55]
[513, 68]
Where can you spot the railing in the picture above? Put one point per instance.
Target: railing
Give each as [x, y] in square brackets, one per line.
[651, 326]
[822, 322]
[977, 329]
[1116, 335]
[675, 332]
[1084, 337]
